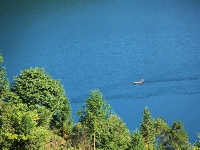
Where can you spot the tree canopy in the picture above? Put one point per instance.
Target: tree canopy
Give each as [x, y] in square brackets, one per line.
[147, 129]
[35, 113]
[36, 87]
[137, 141]
[104, 129]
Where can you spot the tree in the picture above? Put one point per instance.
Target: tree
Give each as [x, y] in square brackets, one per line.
[178, 138]
[147, 129]
[197, 144]
[80, 138]
[114, 134]
[99, 126]
[137, 142]
[162, 130]
[93, 113]
[36, 87]
[18, 127]
[4, 83]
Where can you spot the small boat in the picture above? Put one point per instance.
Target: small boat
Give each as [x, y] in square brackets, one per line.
[139, 82]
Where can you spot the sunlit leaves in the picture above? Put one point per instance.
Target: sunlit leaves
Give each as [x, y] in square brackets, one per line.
[95, 110]
[34, 86]
[109, 129]
[16, 123]
[178, 138]
[114, 134]
[147, 129]
[137, 142]
[41, 93]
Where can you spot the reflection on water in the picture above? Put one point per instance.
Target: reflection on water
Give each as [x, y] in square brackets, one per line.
[108, 45]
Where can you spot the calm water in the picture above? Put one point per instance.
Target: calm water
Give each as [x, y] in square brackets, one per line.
[108, 45]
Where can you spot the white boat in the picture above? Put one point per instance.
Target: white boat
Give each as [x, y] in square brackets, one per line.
[139, 82]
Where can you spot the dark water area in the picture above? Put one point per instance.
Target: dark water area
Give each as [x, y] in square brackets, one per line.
[107, 45]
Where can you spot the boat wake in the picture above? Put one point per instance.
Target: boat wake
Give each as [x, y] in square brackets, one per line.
[151, 88]
[175, 79]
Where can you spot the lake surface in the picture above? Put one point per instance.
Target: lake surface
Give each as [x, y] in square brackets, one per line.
[107, 45]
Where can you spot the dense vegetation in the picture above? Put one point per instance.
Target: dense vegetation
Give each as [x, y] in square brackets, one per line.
[35, 113]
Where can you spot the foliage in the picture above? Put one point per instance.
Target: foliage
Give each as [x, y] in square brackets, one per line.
[114, 134]
[162, 130]
[4, 83]
[23, 128]
[158, 134]
[95, 109]
[44, 115]
[137, 142]
[41, 138]
[97, 120]
[147, 129]
[198, 143]
[35, 87]
[80, 138]
[93, 113]
[36, 114]
[178, 138]
[195, 148]
[18, 127]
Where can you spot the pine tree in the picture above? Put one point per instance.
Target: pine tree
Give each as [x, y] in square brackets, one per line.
[114, 134]
[162, 130]
[147, 129]
[93, 113]
[137, 142]
[178, 138]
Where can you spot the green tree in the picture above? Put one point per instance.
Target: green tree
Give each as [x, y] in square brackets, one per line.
[114, 134]
[80, 138]
[162, 130]
[93, 113]
[18, 127]
[147, 129]
[99, 126]
[137, 142]
[195, 148]
[4, 83]
[197, 144]
[36, 87]
[178, 138]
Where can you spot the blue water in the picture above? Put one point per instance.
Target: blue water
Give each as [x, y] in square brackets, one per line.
[107, 45]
